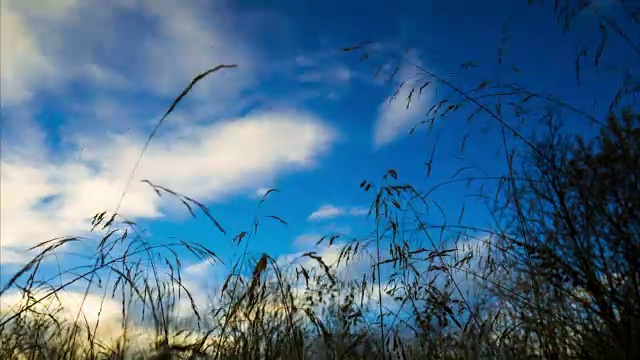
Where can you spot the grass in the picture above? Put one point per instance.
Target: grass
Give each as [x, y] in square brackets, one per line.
[555, 277]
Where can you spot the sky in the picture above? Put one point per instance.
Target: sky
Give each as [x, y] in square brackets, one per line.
[84, 83]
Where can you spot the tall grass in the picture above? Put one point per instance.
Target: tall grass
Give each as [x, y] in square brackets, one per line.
[556, 275]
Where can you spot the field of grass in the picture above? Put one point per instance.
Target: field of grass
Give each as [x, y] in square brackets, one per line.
[556, 277]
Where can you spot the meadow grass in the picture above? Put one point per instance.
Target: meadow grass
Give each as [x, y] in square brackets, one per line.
[556, 276]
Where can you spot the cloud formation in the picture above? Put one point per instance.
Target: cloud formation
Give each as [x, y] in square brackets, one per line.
[396, 115]
[36, 51]
[46, 195]
[22, 63]
[260, 192]
[55, 179]
[329, 211]
[94, 307]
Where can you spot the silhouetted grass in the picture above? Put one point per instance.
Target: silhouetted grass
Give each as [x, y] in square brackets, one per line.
[556, 276]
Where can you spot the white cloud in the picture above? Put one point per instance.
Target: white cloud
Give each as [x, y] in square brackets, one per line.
[189, 41]
[260, 192]
[105, 76]
[306, 241]
[94, 307]
[330, 256]
[206, 162]
[11, 256]
[155, 46]
[394, 117]
[358, 211]
[335, 74]
[43, 9]
[58, 42]
[204, 281]
[22, 63]
[326, 212]
[207, 269]
[345, 271]
[329, 211]
[66, 305]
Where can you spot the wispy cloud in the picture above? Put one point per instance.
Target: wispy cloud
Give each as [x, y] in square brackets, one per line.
[306, 241]
[336, 74]
[329, 211]
[326, 73]
[210, 41]
[92, 307]
[44, 195]
[23, 64]
[396, 115]
[104, 312]
[358, 211]
[36, 53]
[204, 151]
[326, 212]
[260, 192]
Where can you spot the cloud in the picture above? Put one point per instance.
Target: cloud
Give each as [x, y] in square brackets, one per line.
[188, 42]
[306, 241]
[65, 306]
[336, 74]
[352, 269]
[329, 211]
[203, 280]
[153, 49]
[10, 256]
[326, 74]
[104, 76]
[44, 195]
[326, 212]
[345, 271]
[23, 65]
[94, 307]
[395, 115]
[207, 272]
[260, 192]
[46, 43]
[358, 211]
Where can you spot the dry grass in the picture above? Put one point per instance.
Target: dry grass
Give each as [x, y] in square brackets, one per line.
[556, 276]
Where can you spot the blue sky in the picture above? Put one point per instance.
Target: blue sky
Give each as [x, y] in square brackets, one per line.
[83, 83]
